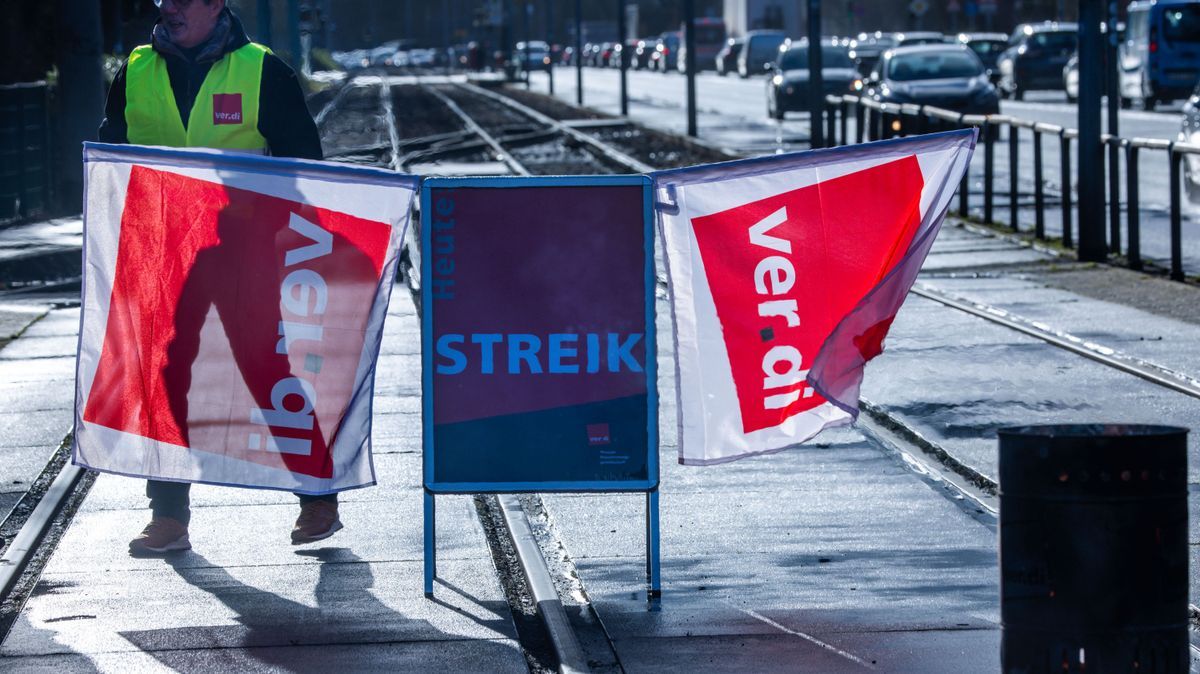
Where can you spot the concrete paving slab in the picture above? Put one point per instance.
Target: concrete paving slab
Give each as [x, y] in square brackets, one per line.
[43, 428]
[15, 318]
[399, 476]
[327, 598]
[37, 396]
[57, 323]
[452, 657]
[39, 371]
[982, 259]
[35, 346]
[231, 535]
[1164, 340]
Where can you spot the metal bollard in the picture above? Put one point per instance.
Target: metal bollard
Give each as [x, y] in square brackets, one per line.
[1065, 149]
[1114, 196]
[830, 125]
[1039, 191]
[1132, 216]
[989, 170]
[964, 187]
[1176, 216]
[1094, 549]
[843, 109]
[1013, 187]
[859, 123]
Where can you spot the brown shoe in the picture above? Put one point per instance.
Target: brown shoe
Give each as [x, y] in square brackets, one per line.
[318, 520]
[163, 534]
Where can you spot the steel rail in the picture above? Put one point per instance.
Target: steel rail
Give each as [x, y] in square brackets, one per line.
[609, 152]
[571, 658]
[1152, 372]
[16, 557]
[474, 126]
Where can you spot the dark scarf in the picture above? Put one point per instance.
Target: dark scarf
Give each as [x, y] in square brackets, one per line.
[227, 36]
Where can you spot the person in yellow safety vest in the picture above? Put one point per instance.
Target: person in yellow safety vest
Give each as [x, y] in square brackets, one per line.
[201, 82]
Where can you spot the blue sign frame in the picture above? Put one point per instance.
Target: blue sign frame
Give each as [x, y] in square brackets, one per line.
[432, 484]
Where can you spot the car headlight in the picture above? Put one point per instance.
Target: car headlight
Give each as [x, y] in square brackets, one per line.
[777, 80]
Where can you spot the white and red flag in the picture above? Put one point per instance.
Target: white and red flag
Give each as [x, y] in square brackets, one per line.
[232, 311]
[786, 273]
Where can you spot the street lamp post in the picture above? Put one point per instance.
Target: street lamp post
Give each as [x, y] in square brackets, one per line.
[624, 58]
[816, 90]
[579, 52]
[1090, 179]
[689, 62]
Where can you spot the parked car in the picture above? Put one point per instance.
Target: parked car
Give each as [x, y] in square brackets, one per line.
[614, 57]
[666, 52]
[534, 54]
[726, 59]
[1035, 58]
[642, 53]
[948, 76]
[1071, 78]
[1160, 55]
[1189, 132]
[1071, 70]
[605, 54]
[988, 47]
[787, 88]
[761, 52]
[709, 39]
[916, 37]
[868, 47]
[588, 53]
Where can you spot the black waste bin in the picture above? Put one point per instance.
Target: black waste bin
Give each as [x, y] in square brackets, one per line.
[1093, 549]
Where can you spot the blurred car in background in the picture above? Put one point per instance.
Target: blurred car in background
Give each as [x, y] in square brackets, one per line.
[726, 59]
[1071, 78]
[1035, 58]
[1189, 132]
[761, 52]
[916, 37]
[947, 76]
[787, 87]
[988, 47]
[666, 52]
[604, 54]
[641, 53]
[614, 57]
[868, 47]
[534, 55]
[709, 39]
[1159, 56]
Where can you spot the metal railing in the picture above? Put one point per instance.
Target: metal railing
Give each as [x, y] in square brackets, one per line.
[25, 178]
[877, 121]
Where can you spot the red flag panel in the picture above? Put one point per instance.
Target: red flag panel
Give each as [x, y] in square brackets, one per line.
[785, 269]
[236, 320]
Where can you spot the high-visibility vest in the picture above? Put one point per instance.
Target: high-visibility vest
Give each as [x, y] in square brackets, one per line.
[224, 115]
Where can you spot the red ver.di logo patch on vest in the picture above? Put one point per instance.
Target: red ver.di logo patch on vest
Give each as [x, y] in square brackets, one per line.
[227, 108]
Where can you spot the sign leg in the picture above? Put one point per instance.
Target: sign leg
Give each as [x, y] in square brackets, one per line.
[430, 543]
[653, 574]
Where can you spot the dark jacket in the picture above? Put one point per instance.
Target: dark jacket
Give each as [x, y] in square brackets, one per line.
[283, 117]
